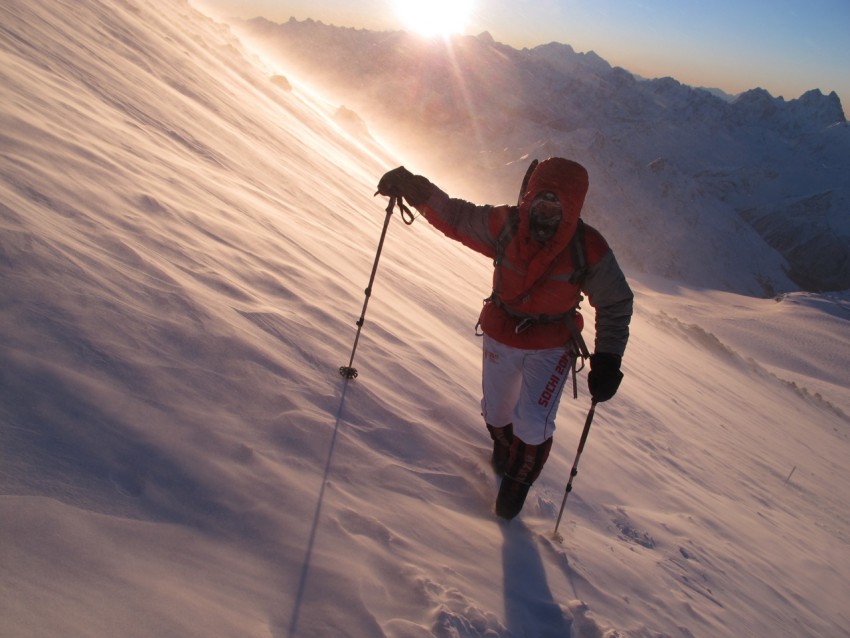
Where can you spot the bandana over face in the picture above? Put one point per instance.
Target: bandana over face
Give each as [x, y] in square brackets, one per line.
[545, 216]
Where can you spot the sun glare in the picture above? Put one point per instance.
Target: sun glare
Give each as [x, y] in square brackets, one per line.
[434, 17]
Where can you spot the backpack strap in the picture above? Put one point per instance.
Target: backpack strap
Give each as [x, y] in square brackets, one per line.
[578, 246]
[509, 228]
[506, 233]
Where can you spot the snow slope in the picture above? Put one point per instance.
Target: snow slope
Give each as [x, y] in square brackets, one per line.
[184, 247]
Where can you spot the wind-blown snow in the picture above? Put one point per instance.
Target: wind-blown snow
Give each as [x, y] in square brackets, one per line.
[184, 248]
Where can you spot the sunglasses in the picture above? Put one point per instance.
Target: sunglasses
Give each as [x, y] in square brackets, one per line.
[545, 213]
[546, 209]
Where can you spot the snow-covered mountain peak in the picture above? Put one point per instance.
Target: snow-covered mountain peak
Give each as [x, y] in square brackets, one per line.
[811, 112]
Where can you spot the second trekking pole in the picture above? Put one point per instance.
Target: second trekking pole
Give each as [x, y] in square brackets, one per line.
[574, 471]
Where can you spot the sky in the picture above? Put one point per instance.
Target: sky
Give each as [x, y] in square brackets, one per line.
[183, 254]
[787, 47]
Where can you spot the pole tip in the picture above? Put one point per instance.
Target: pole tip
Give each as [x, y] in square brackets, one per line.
[348, 372]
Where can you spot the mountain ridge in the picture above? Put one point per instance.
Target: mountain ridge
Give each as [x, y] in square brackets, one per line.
[486, 106]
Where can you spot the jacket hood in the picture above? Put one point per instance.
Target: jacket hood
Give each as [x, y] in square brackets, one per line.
[569, 181]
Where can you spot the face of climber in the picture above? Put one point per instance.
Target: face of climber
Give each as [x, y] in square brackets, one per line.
[544, 216]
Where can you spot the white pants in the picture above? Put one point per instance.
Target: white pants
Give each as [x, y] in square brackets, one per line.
[523, 387]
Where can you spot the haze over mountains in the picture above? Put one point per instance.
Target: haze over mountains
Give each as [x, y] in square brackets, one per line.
[667, 161]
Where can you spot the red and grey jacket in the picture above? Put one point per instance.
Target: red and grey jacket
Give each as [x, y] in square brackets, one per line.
[536, 285]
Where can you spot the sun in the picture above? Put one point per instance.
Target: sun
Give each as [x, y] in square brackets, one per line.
[434, 17]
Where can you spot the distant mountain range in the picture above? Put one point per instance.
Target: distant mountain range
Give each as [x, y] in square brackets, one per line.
[748, 193]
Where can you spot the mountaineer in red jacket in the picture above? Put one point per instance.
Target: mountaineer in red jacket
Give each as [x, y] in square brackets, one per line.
[545, 257]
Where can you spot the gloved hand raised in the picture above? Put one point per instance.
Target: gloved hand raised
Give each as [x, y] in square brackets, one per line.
[400, 182]
[604, 376]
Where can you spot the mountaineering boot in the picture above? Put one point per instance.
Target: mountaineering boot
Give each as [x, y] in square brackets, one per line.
[524, 465]
[502, 438]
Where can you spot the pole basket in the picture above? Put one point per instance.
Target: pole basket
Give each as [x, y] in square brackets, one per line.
[348, 372]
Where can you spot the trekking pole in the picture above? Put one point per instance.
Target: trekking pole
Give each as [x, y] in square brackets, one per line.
[348, 371]
[574, 471]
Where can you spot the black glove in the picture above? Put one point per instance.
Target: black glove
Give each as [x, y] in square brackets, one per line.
[400, 182]
[604, 376]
